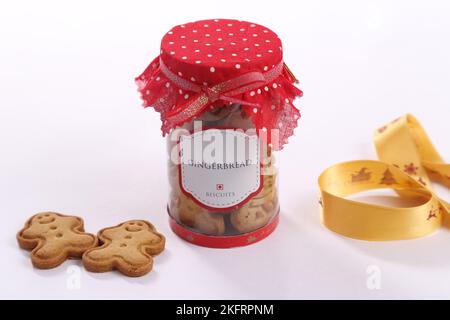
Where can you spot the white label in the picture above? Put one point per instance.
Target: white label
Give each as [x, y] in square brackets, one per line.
[220, 168]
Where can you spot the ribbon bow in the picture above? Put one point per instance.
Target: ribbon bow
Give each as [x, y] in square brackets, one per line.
[205, 95]
[212, 94]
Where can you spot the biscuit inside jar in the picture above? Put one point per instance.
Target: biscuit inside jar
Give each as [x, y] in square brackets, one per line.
[190, 214]
[258, 211]
[255, 213]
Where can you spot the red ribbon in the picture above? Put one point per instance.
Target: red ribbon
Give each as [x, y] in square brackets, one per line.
[205, 95]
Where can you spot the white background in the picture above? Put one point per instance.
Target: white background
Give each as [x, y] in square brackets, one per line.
[74, 139]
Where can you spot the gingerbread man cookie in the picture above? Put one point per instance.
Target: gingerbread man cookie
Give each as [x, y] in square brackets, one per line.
[128, 248]
[187, 212]
[268, 192]
[53, 238]
[251, 217]
[257, 212]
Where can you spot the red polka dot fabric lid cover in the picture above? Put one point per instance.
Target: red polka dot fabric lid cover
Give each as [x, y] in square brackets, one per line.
[220, 62]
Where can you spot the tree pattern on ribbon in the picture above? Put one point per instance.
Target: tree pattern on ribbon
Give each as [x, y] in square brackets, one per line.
[388, 178]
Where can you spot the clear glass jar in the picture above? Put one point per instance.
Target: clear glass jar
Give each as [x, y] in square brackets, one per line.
[257, 210]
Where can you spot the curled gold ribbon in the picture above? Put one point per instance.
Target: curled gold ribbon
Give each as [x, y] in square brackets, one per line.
[408, 163]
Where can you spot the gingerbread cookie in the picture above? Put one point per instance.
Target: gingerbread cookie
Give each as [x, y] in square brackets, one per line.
[251, 217]
[187, 212]
[268, 192]
[53, 238]
[257, 212]
[128, 248]
[269, 189]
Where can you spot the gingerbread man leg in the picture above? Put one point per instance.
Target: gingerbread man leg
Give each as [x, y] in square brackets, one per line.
[131, 262]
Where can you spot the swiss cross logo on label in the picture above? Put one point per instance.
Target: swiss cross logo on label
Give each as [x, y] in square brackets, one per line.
[215, 158]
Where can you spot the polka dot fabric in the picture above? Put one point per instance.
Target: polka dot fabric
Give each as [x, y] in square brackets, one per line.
[209, 52]
[217, 50]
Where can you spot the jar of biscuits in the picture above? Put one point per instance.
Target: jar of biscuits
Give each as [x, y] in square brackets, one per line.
[225, 97]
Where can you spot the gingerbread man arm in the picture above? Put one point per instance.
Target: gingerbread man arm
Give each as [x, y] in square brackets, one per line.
[26, 242]
[156, 244]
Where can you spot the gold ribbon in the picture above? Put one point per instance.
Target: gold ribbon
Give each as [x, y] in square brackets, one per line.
[408, 163]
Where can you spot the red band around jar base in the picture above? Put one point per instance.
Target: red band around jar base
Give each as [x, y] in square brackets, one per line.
[224, 242]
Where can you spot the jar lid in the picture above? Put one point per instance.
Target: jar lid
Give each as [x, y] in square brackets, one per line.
[217, 62]
[213, 51]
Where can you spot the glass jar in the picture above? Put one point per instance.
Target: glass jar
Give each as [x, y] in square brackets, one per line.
[244, 211]
[226, 101]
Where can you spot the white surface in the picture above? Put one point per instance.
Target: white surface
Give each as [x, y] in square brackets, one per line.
[74, 139]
